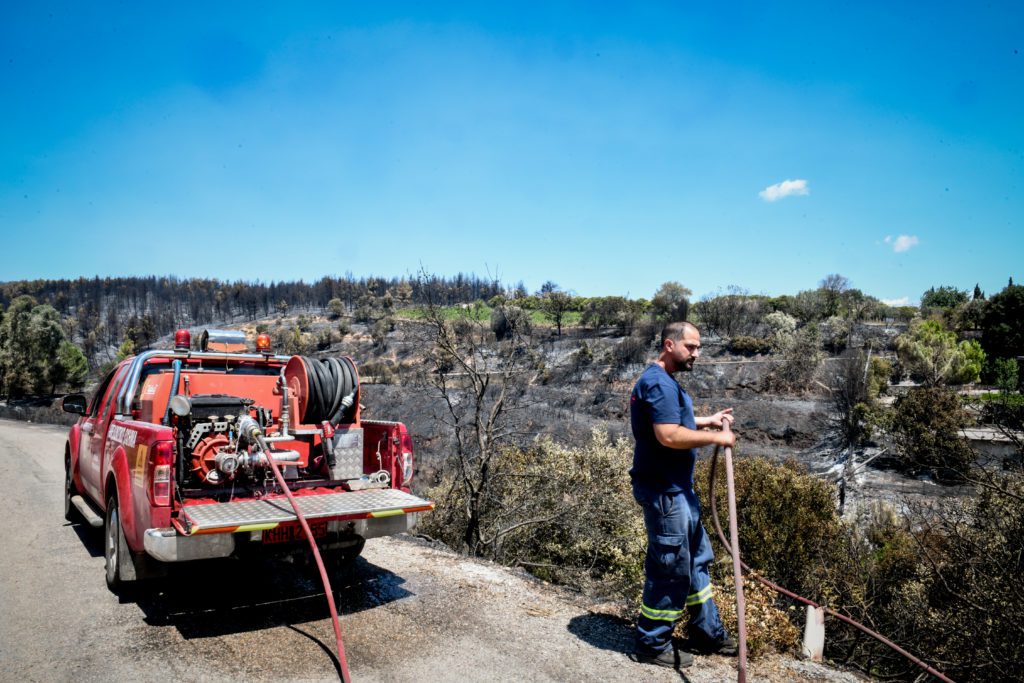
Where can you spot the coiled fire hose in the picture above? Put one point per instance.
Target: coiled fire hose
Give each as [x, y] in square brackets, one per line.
[738, 575]
[332, 386]
[255, 434]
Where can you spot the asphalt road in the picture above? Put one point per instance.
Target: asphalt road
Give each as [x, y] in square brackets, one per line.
[410, 612]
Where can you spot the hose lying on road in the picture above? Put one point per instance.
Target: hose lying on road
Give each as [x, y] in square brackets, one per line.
[736, 560]
[257, 436]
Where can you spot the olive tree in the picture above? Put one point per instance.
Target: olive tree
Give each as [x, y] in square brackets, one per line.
[671, 302]
[933, 356]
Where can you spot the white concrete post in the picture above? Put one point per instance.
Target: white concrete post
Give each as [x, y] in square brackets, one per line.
[814, 634]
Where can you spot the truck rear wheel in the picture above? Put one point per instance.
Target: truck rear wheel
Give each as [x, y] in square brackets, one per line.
[345, 556]
[116, 552]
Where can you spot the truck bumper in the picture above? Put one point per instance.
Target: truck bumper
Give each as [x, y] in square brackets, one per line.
[167, 545]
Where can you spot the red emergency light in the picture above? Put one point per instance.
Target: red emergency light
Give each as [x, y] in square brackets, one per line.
[182, 340]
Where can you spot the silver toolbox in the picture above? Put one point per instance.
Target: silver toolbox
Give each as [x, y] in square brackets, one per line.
[348, 453]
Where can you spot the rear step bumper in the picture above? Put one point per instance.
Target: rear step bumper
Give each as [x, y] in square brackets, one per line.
[212, 526]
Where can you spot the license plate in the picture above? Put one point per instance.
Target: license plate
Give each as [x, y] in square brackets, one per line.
[293, 532]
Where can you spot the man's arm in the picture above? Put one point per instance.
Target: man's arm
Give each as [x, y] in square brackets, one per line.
[679, 437]
[715, 420]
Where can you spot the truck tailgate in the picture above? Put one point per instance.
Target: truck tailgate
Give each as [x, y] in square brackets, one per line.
[267, 513]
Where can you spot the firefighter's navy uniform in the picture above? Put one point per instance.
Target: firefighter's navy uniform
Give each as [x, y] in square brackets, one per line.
[678, 549]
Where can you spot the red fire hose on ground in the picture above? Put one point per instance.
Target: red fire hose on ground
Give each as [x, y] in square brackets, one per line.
[342, 661]
[737, 564]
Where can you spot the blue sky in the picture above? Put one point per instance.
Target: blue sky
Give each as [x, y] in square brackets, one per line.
[607, 147]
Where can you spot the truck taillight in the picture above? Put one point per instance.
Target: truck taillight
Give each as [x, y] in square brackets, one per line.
[405, 458]
[161, 461]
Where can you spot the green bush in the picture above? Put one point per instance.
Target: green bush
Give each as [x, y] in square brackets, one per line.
[926, 428]
[749, 346]
[787, 521]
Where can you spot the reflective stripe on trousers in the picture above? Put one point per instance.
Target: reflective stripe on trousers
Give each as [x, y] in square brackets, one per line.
[676, 569]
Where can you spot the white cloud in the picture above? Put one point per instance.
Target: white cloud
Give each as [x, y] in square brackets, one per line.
[902, 301]
[784, 189]
[902, 243]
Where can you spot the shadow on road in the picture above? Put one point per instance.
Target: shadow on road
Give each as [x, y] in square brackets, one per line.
[220, 597]
[92, 539]
[608, 632]
[603, 631]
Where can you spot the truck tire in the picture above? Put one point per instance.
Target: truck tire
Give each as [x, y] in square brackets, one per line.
[70, 511]
[116, 552]
[344, 557]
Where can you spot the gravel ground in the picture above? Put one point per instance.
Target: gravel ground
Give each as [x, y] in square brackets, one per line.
[496, 624]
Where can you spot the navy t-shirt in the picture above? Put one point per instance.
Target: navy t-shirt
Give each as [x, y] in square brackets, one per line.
[658, 399]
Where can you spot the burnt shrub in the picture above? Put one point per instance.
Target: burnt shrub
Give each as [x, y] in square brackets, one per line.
[509, 321]
[630, 351]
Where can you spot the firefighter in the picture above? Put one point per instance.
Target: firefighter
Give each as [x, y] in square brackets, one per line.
[678, 550]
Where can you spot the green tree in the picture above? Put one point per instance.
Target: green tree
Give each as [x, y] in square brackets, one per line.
[926, 427]
[1002, 324]
[933, 356]
[671, 302]
[1005, 374]
[32, 335]
[336, 308]
[832, 289]
[731, 314]
[368, 308]
[603, 311]
[125, 350]
[808, 306]
[71, 368]
[554, 305]
[403, 293]
[781, 330]
[943, 297]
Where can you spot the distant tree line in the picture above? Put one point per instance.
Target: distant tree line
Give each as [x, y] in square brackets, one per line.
[107, 318]
[102, 313]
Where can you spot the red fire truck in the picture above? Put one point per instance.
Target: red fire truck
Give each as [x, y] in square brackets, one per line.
[171, 457]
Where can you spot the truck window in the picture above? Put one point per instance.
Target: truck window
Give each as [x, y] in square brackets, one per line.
[101, 391]
[112, 388]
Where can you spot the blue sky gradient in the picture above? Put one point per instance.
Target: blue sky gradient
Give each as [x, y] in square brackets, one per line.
[607, 147]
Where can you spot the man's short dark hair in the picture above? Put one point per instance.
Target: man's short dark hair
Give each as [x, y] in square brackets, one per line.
[675, 330]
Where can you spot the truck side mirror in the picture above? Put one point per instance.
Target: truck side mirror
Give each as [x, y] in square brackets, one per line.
[74, 403]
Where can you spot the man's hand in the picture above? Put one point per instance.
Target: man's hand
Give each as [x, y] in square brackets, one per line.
[725, 438]
[716, 420]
